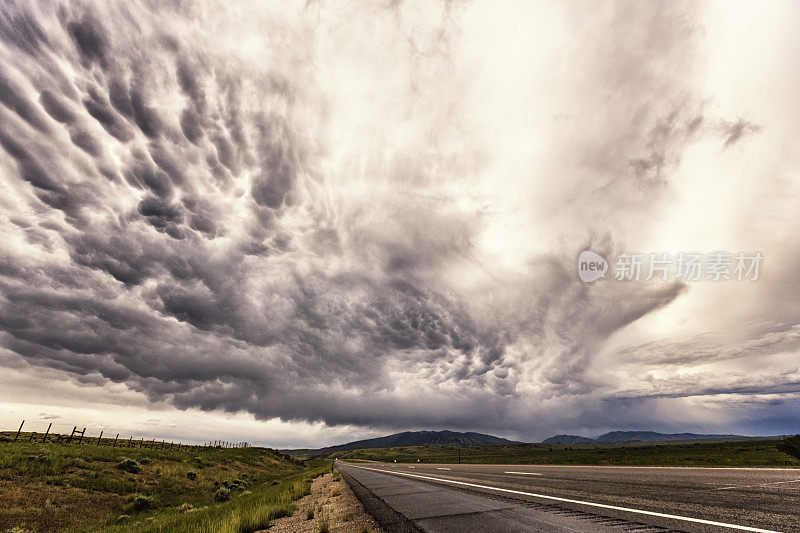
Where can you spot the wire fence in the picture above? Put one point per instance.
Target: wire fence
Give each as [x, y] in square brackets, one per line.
[79, 436]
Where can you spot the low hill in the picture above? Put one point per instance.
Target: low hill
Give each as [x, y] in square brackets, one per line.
[410, 438]
[614, 437]
[652, 436]
[127, 489]
[568, 439]
[751, 452]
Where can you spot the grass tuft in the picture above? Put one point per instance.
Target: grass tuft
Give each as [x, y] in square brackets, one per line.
[324, 525]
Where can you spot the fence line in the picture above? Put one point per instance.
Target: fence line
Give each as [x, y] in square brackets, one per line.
[77, 437]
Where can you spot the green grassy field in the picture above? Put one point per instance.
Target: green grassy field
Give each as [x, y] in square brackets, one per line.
[71, 487]
[703, 453]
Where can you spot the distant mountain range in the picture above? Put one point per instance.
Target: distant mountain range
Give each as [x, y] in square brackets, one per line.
[456, 438]
[633, 436]
[410, 438]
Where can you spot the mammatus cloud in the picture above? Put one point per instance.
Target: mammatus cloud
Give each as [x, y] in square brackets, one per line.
[346, 213]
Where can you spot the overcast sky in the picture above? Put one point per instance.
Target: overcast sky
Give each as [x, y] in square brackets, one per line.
[300, 223]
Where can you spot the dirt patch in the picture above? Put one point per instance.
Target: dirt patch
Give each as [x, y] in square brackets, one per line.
[333, 503]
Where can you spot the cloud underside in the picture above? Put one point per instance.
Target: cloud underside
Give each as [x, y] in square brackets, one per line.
[186, 210]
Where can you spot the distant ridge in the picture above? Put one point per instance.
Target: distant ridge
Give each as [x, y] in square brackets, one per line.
[634, 436]
[568, 439]
[410, 438]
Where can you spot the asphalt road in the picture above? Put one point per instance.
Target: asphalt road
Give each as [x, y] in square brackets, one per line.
[438, 498]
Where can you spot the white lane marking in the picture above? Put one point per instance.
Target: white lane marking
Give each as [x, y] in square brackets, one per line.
[525, 473]
[759, 484]
[742, 468]
[441, 468]
[579, 502]
[760, 468]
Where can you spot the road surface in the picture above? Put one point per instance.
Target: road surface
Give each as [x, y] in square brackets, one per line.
[450, 497]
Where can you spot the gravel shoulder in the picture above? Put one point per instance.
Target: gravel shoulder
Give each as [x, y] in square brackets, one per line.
[333, 503]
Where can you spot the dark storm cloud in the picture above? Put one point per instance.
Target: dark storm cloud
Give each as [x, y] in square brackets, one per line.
[185, 235]
[89, 36]
[21, 28]
[101, 110]
[190, 125]
[145, 116]
[143, 173]
[272, 342]
[735, 131]
[664, 143]
[759, 340]
[14, 98]
[57, 107]
[280, 163]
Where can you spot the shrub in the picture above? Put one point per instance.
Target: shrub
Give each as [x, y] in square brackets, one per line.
[310, 513]
[790, 446]
[129, 465]
[141, 503]
[222, 494]
[324, 525]
[191, 475]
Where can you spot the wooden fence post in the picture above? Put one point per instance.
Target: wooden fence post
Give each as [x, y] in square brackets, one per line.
[69, 440]
[44, 439]
[20, 429]
[82, 434]
[99, 438]
[115, 441]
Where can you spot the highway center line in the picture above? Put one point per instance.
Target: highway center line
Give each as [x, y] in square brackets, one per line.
[525, 473]
[579, 502]
[441, 468]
